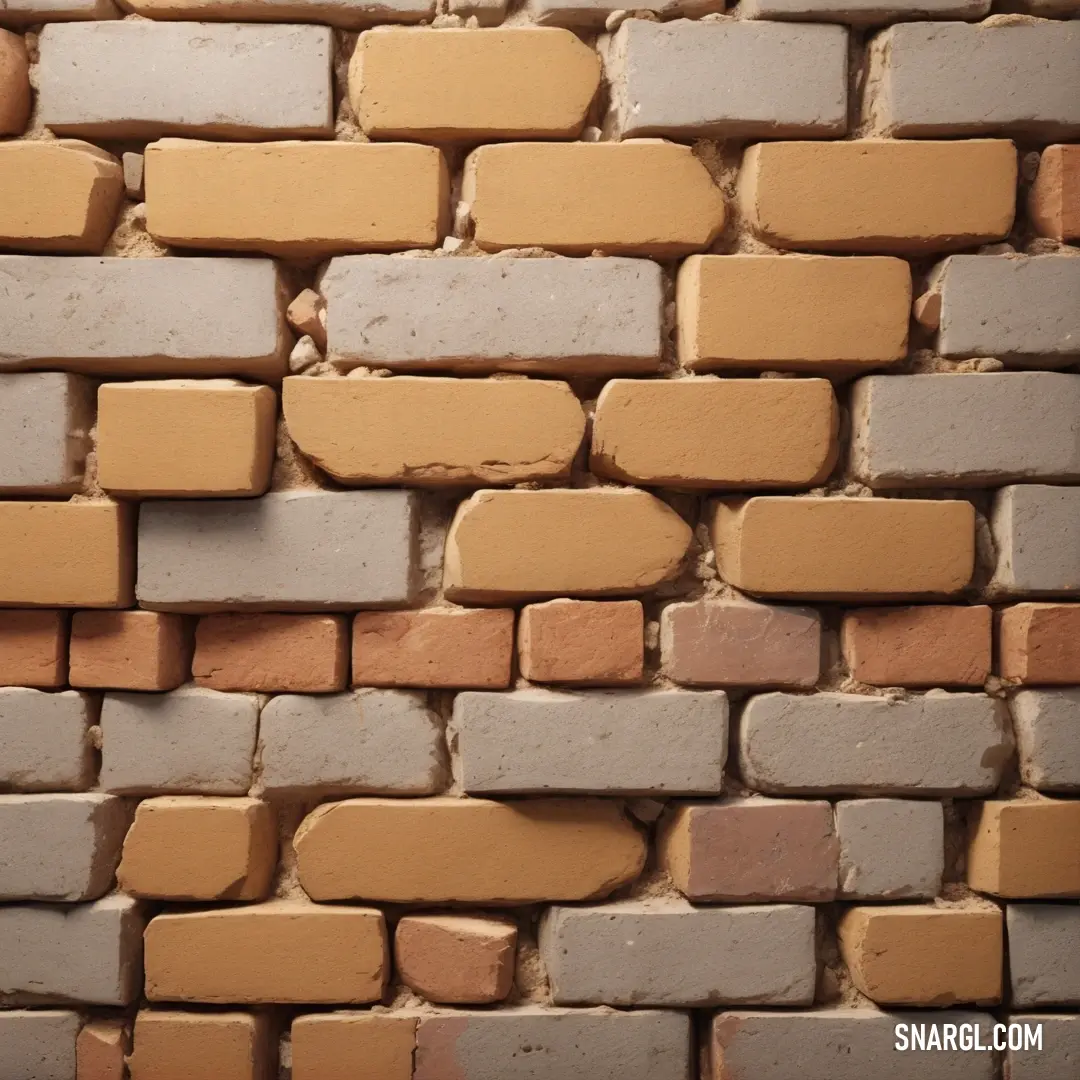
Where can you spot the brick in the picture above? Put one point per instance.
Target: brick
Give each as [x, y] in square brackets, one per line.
[957, 79]
[307, 315]
[543, 316]
[14, 84]
[759, 433]
[801, 313]
[88, 953]
[925, 646]
[183, 847]
[357, 196]
[743, 850]
[134, 169]
[177, 1045]
[366, 742]
[440, 648]
[890, 849]
[594, 13]
[836, 548]
[456, 959]
[185, 439]
[689, 80]
[1047, 727]
[353, 1046]
[863, 12]
[1054, 197]
[582, 642]
[204, 556]
[574, 198]
[100, 1049]
[1025, 849]
[1060, 1047]
[879, 195]
[33, 649]
[423, 430]
[46, 740]
[118, 316]
[38, 1044]
[467, 850]
[66, 554]
[128, 650]
[629, 742]
[934, 744]
[522, 82]
[189, 741]
[1040, 643]
[910, 954]
[1036, 531]
[24, 13]
[285, 951]
[505, 545]
[145, 79]
[1044, 960]
[350, 14]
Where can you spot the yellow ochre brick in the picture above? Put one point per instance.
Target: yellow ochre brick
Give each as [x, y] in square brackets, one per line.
[178, 1045]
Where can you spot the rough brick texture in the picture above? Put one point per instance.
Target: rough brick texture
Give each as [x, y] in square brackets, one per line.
[38, 1044]
[1054, 198]
[33, 649]
[128, 650]
[353, 1045]
[14, 83]
[1042, 954]
[227, 1044]
[1036, 530]
[1040, 643]
[1048, 738]
[47, 740]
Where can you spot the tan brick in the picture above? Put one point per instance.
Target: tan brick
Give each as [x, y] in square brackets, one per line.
[187, 847]
[839, 548]
[530, 544]
[419, 430]
[99, 1050]
[911, 954]
[520, 82]
[1054, 198]
[799, 313]
[353, 1046]
[467, 850]
[932, 645]
[1025, 849]
[584, 642]
[879, 194]
[716, 432]
[177, 1045]
[67, 554]
[284, 654]
[14, 84]
[129, 650]
[58, 196]
[1039, 644]
[307, 315]
[285, 951]
[644, 197]
[185, 439]
[456, 959]
[33, 649]
[444, 648]
[296, 199]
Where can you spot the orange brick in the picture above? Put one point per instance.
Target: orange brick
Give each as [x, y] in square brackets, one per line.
[285, 654]
[99, 1050]
[128, 650]
[176, 1045]
[14, 84]
[456, 959]
[1054, 198]
[353, 1046]
[1040, 644]
[33, 649]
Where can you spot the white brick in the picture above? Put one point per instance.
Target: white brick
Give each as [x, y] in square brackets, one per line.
[38, 1044]
[1060, 1049]
[1036, 530]
[863, 12]
[1047, 726]
[890, 848]
[45, 739]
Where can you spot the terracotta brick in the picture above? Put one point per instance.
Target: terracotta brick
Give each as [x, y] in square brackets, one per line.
[185, 439]
[840, 547]
[14, 84]
[522, 82]
[932, 645]
[643, 197]
[285, 654]
[444, 648]
[1025, 849]
[741, 850]
[99, 1050]
[33, 649]
[467, 850]
[456, 959]
[586, 642]
[186, 847]
[177, 1045]
[910, 954]
[1040, 644]
[791, 312]
[284, 951]
[353, 1046]
[1054, 198]
[129, 650]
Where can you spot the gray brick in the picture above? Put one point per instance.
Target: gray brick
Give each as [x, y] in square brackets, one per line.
[190, 741]
[1036, 530]
[115, 316]
[350, 14]
[558, 316]
[1060, 1050]
[965, 430]
[958, 79]
[934, 744]
[23, 13]
[1044, 954]
[301, 550]
[688, 79]
[38, 1044]
[864, 12]
[665, 952]
[594, 13]
[367, 742]
[145, 79]
[1047, 726]
[85, 952]
[670, 742]
[46, 740]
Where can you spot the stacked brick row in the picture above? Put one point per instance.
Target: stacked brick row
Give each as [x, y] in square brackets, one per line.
[544, 544]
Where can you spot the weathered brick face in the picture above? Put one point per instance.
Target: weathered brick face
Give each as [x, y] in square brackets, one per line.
[537, 541]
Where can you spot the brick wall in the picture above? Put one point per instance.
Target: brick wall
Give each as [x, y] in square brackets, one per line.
[538, 544]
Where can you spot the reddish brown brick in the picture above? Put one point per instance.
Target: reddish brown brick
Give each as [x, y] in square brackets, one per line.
[33, 649]
[1039, 644]
[129, 650]
[99, 1050]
